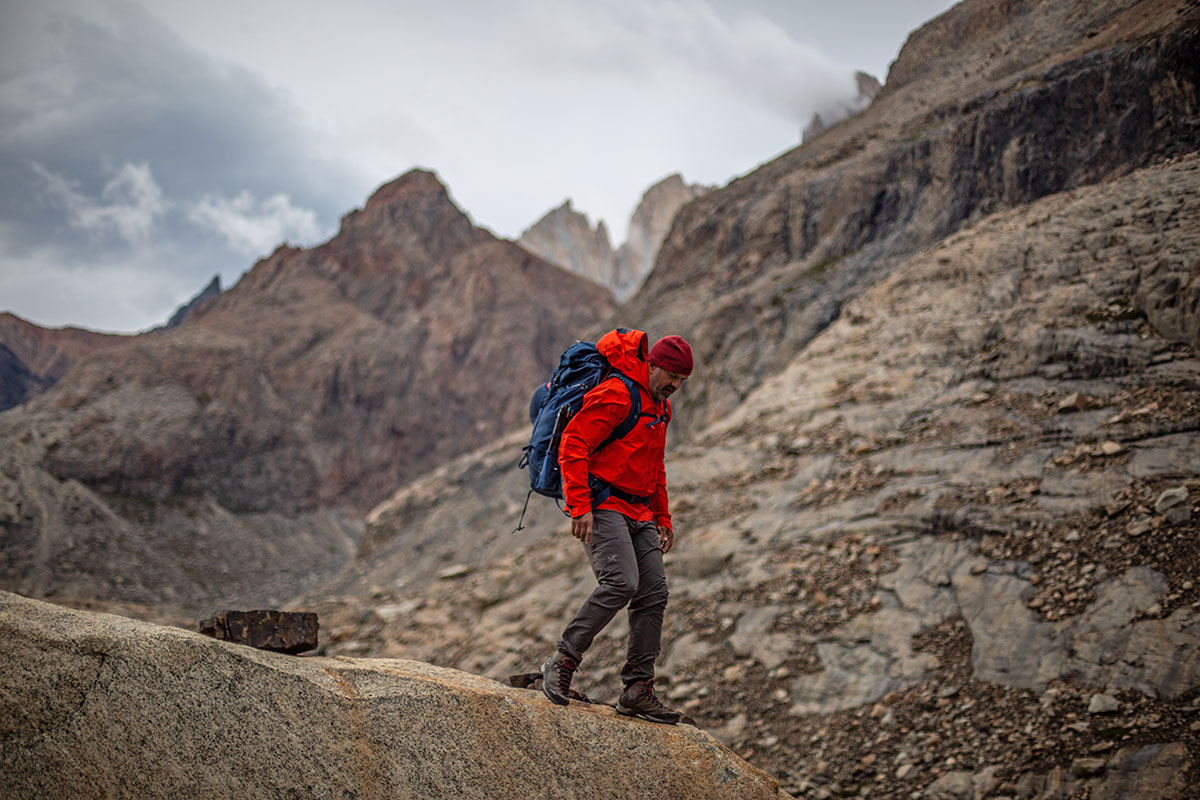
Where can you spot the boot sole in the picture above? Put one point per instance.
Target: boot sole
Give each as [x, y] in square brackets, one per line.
[629, 712]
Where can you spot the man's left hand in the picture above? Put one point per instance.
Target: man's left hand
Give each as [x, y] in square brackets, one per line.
[666, 538]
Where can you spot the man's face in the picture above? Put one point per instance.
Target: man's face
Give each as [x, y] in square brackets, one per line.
[664, 383]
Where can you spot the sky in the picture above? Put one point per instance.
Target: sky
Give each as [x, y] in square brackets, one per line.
[147, 146]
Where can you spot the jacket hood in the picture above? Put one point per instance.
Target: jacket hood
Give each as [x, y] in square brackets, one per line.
[627, 350]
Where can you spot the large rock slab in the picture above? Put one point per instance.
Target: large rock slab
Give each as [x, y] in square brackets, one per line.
[98, 706]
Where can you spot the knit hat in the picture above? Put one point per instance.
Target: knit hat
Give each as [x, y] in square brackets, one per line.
[673, 354]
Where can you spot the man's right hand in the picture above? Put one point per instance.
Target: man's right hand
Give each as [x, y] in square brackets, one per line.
[581, 527]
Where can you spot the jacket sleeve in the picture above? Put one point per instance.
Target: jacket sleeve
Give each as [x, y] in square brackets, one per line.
[603, 410]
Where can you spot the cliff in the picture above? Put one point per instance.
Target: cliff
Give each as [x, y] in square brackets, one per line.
[97, 706]
[564, 236]
[34, 358]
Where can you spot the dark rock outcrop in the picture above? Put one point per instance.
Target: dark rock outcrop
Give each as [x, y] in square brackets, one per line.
[211, 290]
[277, 631]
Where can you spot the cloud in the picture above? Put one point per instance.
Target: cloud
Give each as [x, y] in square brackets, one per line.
[129, 203]
[254, 228]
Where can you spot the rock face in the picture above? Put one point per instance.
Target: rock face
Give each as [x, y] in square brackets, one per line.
[648, 228]
[566, 237]
[227, 461]
[990, 106]
[33, 358]
[211, 290]
[866, 88]
[79, 692]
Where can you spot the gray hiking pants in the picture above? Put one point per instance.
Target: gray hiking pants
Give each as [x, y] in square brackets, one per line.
[627, 561]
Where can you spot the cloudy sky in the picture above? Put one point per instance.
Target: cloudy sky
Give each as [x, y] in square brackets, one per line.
[146, 146]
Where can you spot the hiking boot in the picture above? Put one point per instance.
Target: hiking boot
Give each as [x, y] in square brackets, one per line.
[639, 700]
[556, 677]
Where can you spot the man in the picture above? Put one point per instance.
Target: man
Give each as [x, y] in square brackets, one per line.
[616, 494]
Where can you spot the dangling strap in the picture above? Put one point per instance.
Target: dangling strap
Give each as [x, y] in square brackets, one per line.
[521, 521]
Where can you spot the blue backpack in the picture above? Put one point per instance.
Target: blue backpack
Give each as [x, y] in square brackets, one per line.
[581, 369]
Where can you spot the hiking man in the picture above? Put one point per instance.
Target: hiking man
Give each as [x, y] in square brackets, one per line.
[616, 494]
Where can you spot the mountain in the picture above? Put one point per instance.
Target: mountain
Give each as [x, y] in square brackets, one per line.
[866, 88]
[210, 290]
[934, 478]
[80, 692]
[33, 358]
[564, 236]
[232, 457]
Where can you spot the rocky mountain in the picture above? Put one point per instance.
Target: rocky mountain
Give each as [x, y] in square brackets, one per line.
[33, 358]
[232, 457]
[866, 88]
[565, 237]
[79, 691]
[935, 477]
[210, 290]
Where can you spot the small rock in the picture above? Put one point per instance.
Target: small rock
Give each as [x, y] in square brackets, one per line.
[1194, 727]
[454, 571]
[979, 569]
[1153, 610]
[733, 674]
[1103, 704]
[903, 771]
[1170, 498]
[1087, 767]
[1138, 528]
[1111, 448]
[1100, 747]
[869, 759]
[1179, 514]
[879, 711]
[1075, 401]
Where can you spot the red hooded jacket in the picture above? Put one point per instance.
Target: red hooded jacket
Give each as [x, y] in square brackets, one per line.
[634, 463]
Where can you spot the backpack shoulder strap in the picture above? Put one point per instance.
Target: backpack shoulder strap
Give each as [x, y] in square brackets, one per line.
[635, 410]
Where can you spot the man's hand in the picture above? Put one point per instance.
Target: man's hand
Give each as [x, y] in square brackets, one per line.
[666, 538]
[581, 527]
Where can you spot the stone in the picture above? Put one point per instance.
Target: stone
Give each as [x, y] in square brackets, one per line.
[1111, 448]
[954, 785]
[454, 571]
[903, 771]
[1171, 498]
[279, 631]
[1087, 767]
[1075, 401]
[1103, 704]
[133, 709]
[1157, 771]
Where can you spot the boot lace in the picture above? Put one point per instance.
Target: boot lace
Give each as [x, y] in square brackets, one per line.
[651, 698]
[566, 668]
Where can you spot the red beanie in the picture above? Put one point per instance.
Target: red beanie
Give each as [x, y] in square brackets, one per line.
[673, 354]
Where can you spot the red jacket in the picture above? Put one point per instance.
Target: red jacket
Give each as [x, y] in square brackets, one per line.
[634, 463]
